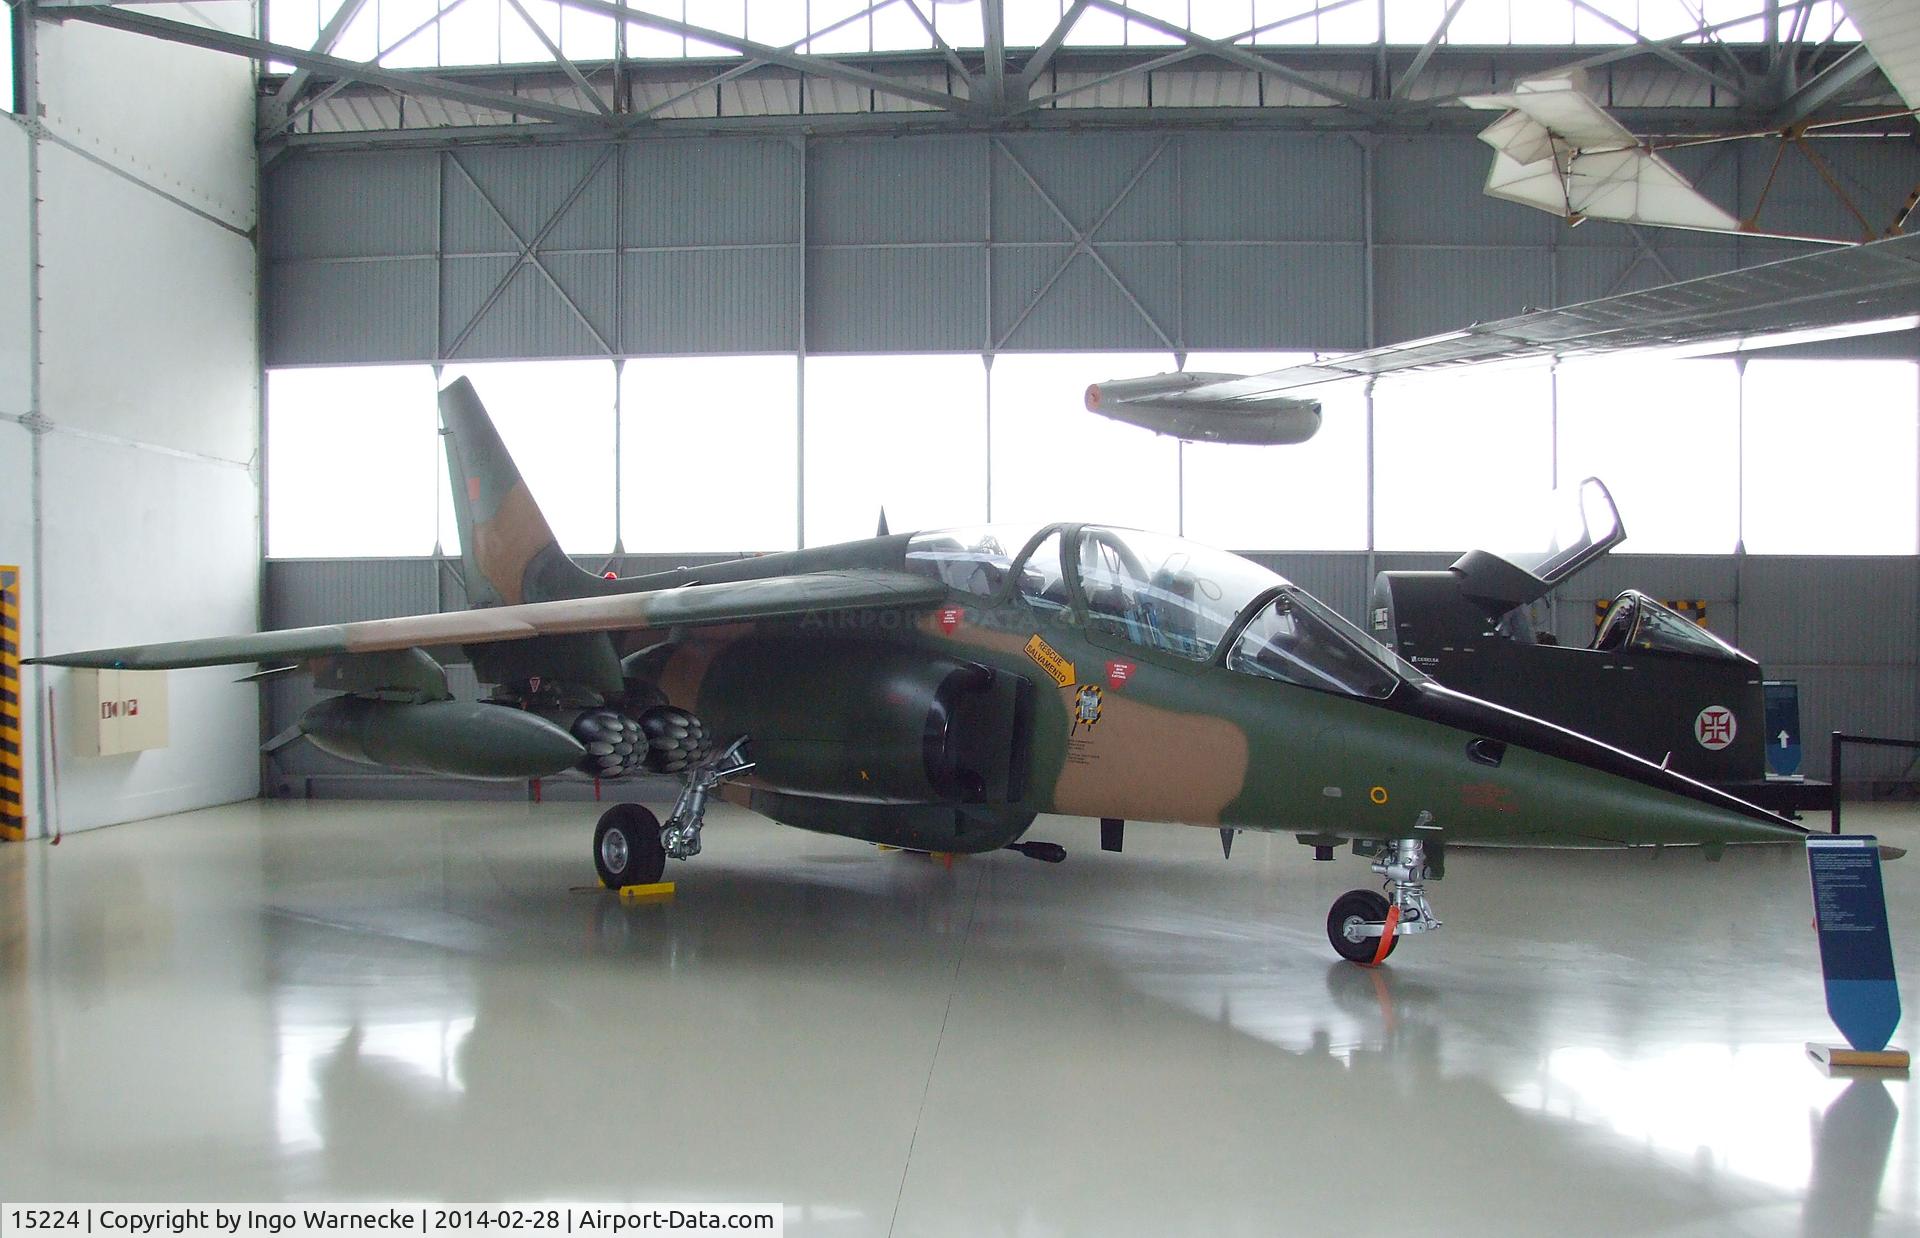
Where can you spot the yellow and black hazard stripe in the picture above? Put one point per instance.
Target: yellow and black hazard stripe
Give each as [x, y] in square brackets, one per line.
[13, 787]
[1692, 608]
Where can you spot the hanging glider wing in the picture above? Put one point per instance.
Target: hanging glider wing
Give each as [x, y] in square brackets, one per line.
[1850, 290]
[1557, 150]
[1891, 31]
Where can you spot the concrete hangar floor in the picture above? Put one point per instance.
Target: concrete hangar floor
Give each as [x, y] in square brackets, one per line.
[382, 1001]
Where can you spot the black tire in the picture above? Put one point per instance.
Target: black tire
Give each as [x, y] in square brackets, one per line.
[1364, 906]
[626, 847]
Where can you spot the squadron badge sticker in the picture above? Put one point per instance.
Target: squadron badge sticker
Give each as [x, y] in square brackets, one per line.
[1086, 708]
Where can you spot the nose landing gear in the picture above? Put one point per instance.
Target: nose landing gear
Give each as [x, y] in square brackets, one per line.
[1364, 927]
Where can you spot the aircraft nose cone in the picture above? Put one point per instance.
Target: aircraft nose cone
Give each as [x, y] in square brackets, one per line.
[1593, 789]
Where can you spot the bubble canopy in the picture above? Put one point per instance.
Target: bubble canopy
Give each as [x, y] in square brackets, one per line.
[1168, 595]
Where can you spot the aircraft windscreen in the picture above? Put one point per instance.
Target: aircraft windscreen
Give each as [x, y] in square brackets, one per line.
[972, 560]
[1297, 640]
[1636, 621]
[1164, 593]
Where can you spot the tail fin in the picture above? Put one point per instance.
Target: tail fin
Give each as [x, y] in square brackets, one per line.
[510, 552]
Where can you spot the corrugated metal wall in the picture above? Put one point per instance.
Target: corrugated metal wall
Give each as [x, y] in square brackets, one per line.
[1116, 239]
[1110, 239]
[1843, 628]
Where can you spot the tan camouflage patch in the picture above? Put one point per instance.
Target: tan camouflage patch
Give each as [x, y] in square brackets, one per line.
[505, 544]
[1144, 763]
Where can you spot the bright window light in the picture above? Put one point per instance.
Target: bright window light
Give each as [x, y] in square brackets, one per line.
[1589, 27]
[854, 37]
[518, 42]
[1358, 22]
[350, 461]
[1098, 28]
[1027, 24]
[470, 33]
[1307, 496]
[7, 100]
[1296, 21]
[902, 432]
[1829, 457]
[961, 25]
[1481, 23]
[895, 28]
[586, 36]
[1142, 35]
[1536, 23]
[1664, 437]
[708, 454]
[1221, 19]
[1662, 19]
[361, 39]
[1462, 460]
[556, 418]
[292, 23]
[400, 19]
[1054, 460]
[1412, 22]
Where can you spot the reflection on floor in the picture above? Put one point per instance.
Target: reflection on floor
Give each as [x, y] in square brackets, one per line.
[411, 1001]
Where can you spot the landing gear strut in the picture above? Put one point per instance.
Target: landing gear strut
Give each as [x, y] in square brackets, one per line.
[680, 837]
[1364, 927]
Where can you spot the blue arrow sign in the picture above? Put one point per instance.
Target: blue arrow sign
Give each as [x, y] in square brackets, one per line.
[1856, 955]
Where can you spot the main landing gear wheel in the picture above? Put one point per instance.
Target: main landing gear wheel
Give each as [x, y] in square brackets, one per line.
[1352, 912]
[626, 847]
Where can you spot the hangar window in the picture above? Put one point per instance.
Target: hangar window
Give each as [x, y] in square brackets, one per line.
[556, 418]
[1309, 496]
[1456, 454]
[709, 454]
[351, 457]
[11, 38]
[1052, 459]
[1828, 454]
[900, 432]
[1664, 437]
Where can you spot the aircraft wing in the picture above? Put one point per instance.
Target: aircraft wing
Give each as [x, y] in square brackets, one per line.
[773, 597]
[1837, 287]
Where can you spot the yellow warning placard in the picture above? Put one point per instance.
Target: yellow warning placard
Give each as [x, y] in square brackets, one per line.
[1049, 660]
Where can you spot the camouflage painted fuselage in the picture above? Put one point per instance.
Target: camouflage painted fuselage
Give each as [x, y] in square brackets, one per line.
[950, 726]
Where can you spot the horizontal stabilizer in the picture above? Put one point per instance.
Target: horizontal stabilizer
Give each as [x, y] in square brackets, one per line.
[771, 598]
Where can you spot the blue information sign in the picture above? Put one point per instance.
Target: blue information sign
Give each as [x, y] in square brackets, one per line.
[1850, 908]
[1783, 726]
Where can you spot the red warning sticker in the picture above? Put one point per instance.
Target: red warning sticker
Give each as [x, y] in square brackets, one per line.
[950, 617]
[1118, 673]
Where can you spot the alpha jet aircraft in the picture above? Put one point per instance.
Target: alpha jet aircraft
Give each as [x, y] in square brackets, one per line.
[938, 690]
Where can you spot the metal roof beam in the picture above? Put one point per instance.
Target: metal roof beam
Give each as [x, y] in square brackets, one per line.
[329, 35]
[1825, 86]
[566, 66]
[819, 66]
[1663, 48]
[1043, 54]
[136, 22]
[1234, 54]
[1426, 53]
